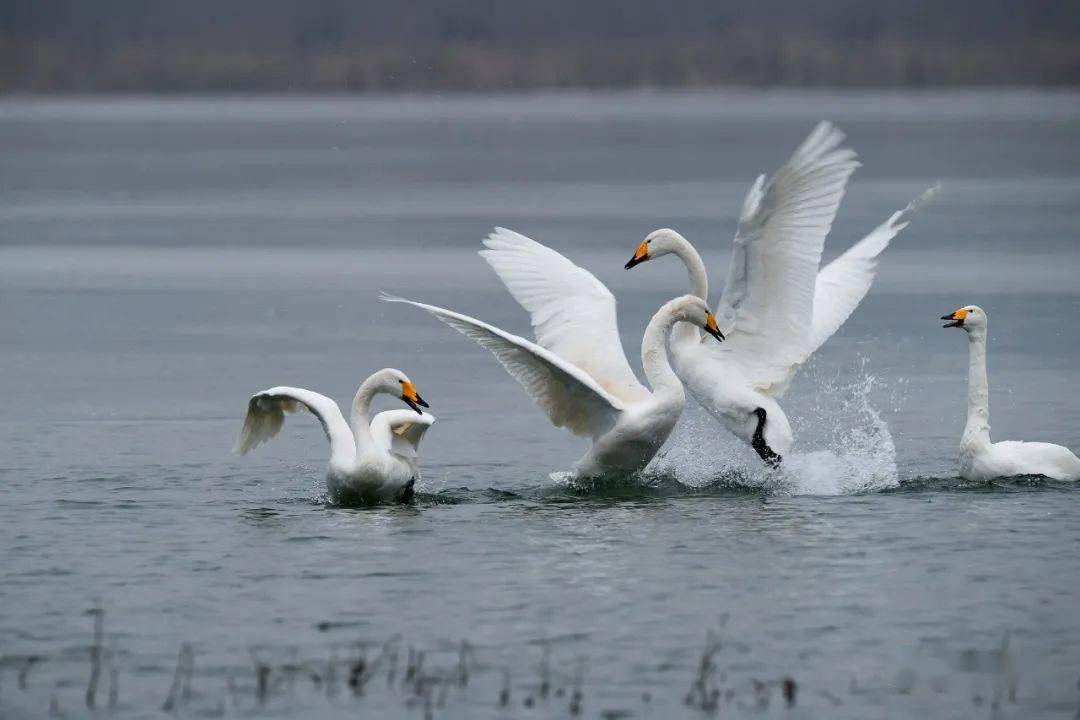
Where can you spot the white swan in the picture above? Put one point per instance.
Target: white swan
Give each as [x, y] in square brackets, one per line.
[981, 460]
[776, 308]
[577, 371]
[371, 459]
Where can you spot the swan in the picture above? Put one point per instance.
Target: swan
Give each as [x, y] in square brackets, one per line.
[981, 460]
[576, 370]
[372, 459]
[776, 308]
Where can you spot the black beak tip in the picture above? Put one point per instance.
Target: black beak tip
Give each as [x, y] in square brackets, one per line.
[953, 322]
[420, 402]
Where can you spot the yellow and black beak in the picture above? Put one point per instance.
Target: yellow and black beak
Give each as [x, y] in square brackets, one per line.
[640, 256]
[411, 398]
[712, 329]
[957, 319]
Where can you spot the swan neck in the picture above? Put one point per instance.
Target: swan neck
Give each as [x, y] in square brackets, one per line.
[695, 268]
[654, 355]
[978, 420]
[687, 333]
[360, 418]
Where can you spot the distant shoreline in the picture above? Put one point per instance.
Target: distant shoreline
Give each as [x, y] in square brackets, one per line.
[739, 61]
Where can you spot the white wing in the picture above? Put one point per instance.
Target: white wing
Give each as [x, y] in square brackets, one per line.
[266, 414]
[571, 398]
[768, 301]
[573, 313]
[843, 283]
[400, 431]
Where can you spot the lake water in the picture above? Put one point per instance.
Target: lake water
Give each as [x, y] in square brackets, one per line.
[162, 259]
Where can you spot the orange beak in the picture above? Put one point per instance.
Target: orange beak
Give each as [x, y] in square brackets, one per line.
[640, 256]
[957, 318]
[412, 398]
[712, 329]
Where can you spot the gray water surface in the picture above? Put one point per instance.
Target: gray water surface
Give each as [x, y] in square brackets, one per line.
[161, 260]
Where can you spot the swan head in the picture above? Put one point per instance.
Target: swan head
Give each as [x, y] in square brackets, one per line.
[970, 318]
[657, 243]
[395, 382]
[693, 310]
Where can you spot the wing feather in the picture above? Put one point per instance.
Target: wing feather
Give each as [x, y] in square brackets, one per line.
[400, 431]
[570, 396]
[843, 283]
[266, 414]
[572, 312]
[767, 306]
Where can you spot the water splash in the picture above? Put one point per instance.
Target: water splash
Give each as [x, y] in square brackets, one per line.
[842, 443]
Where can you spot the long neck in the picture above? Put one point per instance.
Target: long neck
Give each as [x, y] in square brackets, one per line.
[360, 419]
[978, 418]
[654, 357]
[699, 286]
[695, 268]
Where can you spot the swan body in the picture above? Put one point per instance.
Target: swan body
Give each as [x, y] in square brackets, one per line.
[980, 459]
[576, 370]
[776, 308]
[372, 459]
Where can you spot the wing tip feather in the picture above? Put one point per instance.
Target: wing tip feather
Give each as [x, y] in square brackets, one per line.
[391, 298]
[926, 197]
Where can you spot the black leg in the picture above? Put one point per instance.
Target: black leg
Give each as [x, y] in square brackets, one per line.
[407, 493]
[758, 443]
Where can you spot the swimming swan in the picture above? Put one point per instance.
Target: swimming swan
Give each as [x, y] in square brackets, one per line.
[776, 308]
[372, 459]
[576, 370]
[981, 460]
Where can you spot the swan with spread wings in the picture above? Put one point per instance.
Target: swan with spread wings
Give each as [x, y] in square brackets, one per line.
[372, 459]
[576, 371]
[776, 308]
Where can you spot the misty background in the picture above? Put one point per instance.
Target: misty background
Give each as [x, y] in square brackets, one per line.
[367, 45]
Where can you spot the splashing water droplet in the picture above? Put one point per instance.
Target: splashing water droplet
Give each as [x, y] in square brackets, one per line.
[843, 445]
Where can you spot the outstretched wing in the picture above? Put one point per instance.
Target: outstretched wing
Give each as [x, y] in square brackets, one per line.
[400, 431]
[573, 313]
[843, 283]
[266, 414]
[570, 396]
[767, 306]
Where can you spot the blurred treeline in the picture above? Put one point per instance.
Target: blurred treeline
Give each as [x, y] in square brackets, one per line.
[356, 45]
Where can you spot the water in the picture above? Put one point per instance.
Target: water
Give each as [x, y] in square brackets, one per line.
[160, 260]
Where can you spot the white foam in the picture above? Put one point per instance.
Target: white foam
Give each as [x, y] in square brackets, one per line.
[842, 444]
